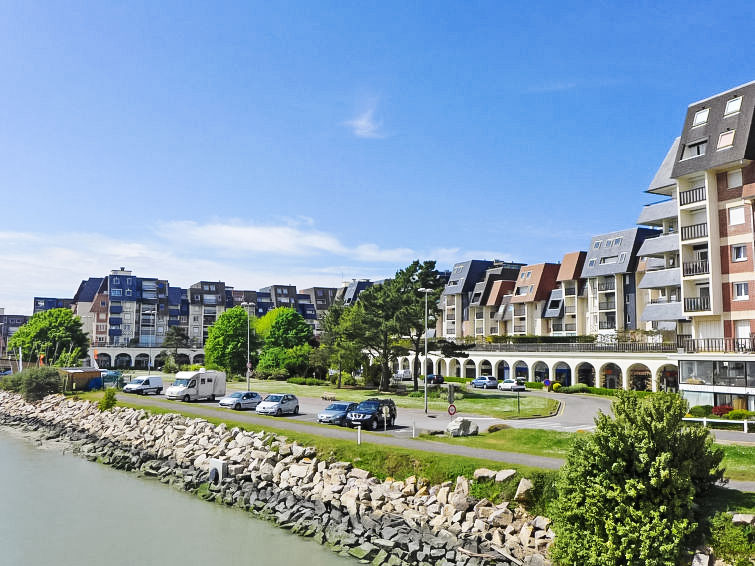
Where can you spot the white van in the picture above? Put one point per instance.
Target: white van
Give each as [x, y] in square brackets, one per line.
[197, 385]
[145, 385]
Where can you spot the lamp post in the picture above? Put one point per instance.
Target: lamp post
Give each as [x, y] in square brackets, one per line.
[154, 333]
[248, 325]
[425, 290]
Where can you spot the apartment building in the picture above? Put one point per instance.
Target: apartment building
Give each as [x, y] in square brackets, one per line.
[567, 304]
[48, 303]
[90, 303]
[9, 324]
[531, 293]
[487, 296]
[207, 301]
[349, 292]
[456, 296]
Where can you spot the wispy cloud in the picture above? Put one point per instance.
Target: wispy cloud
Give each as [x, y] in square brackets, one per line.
[365, 125]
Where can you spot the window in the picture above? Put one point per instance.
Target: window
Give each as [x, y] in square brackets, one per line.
[116, 280]
[458, 269]
[529, 274]
[524, 274]
[596, 245]
[128, 292]
[733, 106]
[608, 259]
[695, 149]
[736, 215]
[608, 244]
[115, 292]
[128, 281]
[726, 139]
[591, 263]
[454, 282]
[741, 291]
[622, 257]
[617, 241]
[734, 179]
[195, 330]
[532, 288]
[701, 117]
[739, 252]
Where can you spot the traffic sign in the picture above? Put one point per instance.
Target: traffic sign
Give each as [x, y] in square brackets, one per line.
[452, 409]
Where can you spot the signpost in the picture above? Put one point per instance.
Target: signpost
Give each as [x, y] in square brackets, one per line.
[452, 409]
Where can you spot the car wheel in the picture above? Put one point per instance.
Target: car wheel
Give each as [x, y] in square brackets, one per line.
[342, 421]
[141, 392]
[186, 399]
[159, 391]
[212, 398]
[296, 410]
[374, 424]
[391, 422]
[237, 407]
[278, 413]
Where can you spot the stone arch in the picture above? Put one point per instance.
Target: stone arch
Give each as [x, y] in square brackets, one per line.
[394, 365]
[586, 374]
[181, 359]
[405, 363]
[454, 368]
[442, 369]
[141, 361]
[540, 371]
[502, 370]
[521, 370]
[104, 360]
[562, 373]
[198, 359]
[640, 377]
[469, 368]
[667, 378]
[484, 367]
[159, 360]
[429, 367]
[123, 361]
[610, 376]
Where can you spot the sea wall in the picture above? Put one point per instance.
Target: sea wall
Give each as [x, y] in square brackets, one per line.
[392, 523]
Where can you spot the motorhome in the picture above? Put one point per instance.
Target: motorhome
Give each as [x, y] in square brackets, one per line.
[197, 385]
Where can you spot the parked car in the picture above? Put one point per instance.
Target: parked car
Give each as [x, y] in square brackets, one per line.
[434, 379]
[278, 404]
[241, 400]
[372, 414]
[336, 413]
[403, 375]
[485, 382]
[6, 372]
[145, 385]
[197, 385]
[511, 385]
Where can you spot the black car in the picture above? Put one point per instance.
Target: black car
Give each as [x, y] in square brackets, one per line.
[372, 414]
[434, 379]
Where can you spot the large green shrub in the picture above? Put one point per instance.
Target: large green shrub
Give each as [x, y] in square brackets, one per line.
[740, 415]
[35, 383]
[701, 411]
[576, 388]
[627, 494]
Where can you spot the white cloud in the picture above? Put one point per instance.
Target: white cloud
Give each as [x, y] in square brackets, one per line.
[365, 125]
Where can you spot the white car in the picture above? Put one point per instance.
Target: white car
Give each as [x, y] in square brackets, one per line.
[278, 403]
[511, 385]
[241, 400]
[144, 385]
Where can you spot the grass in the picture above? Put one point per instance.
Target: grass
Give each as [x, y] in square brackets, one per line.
[521, 440]
[739, 461]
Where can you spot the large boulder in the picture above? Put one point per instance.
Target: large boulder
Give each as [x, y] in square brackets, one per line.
[462, 427]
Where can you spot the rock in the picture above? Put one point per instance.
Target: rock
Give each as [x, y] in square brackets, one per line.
[363, 551]
[460, 501]
[524, 535]
[462, 485]
[503, 475]
[462, 427]
[541, 523]
[484, 474]
[443, 495]
[743, 519]
[700, 559]
[501, 518]
[522, 489]
[535, 560]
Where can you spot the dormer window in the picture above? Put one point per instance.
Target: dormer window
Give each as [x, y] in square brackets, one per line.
[733, 106]
[695, 149]
[701, 117]
[591, 263]
[596, 245]
[726, 139]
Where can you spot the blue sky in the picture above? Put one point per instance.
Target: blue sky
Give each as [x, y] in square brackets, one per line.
[308, 143]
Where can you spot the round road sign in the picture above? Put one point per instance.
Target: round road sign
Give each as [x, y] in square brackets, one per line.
[452, 409]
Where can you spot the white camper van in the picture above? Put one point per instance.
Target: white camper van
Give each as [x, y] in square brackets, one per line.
[197, 385]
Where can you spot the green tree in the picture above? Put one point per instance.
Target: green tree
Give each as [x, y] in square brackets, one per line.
[175, 338]
[296, 360]
[263, 324]
[628, 492]
[50, 333]
[411, 315]
[226, 345]
[288, 330]
[336, 349]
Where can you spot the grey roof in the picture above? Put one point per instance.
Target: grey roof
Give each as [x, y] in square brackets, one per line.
[663, 177]
[631, 240]
[662, 311]
[661, 278]
[465, 275]
[741, 122]
[659, 245]
[556, 297]
[654, 214]
[88, 290]
[504, 312]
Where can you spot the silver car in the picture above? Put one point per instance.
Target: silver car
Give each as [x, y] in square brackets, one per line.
[335, 413]
[241, 400]
[277, 404]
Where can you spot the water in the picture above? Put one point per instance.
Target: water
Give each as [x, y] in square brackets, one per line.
[61, 510]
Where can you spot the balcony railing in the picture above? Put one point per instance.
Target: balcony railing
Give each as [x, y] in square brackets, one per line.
[570, 327]
[519, 310]
[696, 304]
[608, 285]
[607, 347]
[479, 330]
[557, 327]
[700, 267]
[520, 328]
[746, 345]
[693, 195]
[607, 324]
[570, 309]
[569, 291]
[607, 305]
[695, 231]
[479, 315]
[451, 316]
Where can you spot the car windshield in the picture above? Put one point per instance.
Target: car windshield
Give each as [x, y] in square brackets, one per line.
[337, 407]
[274, 398]
[367, 405]
[138, 381]
[181, 381]
[237, 394]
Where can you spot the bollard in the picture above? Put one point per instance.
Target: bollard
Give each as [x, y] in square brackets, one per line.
[359, 434]
[745, 424]
[414, 429]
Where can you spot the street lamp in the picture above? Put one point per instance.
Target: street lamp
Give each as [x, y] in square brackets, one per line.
[154, 333]
[425, 291]
[248, 325]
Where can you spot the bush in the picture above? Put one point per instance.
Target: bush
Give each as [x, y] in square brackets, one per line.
[457, 379]
[274, 374]
[734, 544]
[349, 380]
[721, 410]
[556, 386]
[11, 382]
[576, 388]
[108, 400]
[34, 384]
[306, 381]
[534, 385]
[740, 414]
[629, 492]
[170, 365]
[701, 411]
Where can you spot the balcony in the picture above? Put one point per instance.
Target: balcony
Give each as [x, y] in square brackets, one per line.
[570, 309]
[734, 345]
[661, 278]
[519, 310]
[654, 214]
[693, 195]
[451, 317]
[607, 285]
[607, 306]
[557, 327]
[570, 327]
[659, 245]
[604, 347]
[520, 328]
[696, 304]
[607, 325]
[115, 309]
[662, 309]
[694, 231]
[700, 267]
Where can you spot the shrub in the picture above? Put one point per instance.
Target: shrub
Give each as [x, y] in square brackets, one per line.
[11, 382]
[274, 374]
[740, 414]
[627, 494]
[576, 388]
[701, 411]
[170, 365]
[534, 385]
[108, 400]
[306, 381]
[457, 379]
[36, 383]
[721, 410]
[349, 380]
[556, 386]
[734, 544]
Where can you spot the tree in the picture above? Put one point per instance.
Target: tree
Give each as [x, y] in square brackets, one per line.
[288, 330]
[335, 346]
[627, 494]
[226, 344]
[263, 324]
[176, 337]
[50, 334]
[411, 316]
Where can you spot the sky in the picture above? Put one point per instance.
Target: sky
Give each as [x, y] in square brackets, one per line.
[309, 143]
